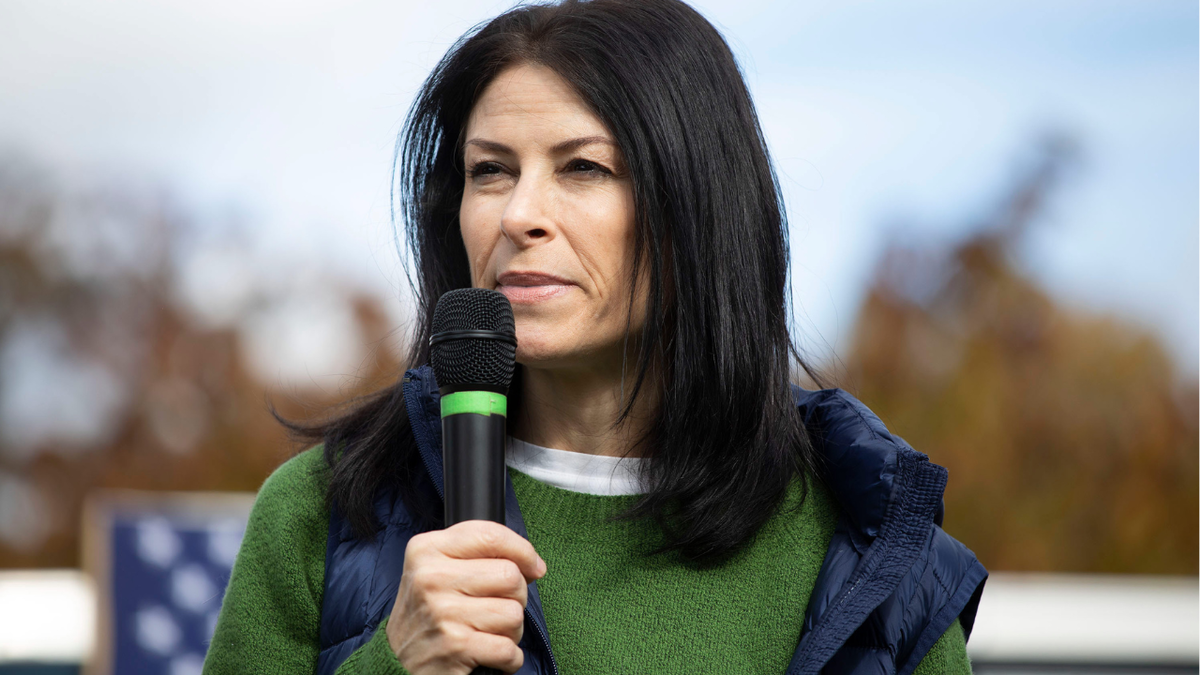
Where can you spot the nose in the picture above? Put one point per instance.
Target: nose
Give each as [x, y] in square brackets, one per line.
[527, 220]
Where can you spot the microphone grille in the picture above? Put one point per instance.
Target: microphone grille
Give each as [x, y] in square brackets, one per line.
[474, 360]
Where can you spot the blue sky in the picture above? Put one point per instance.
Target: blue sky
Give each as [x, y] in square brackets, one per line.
[906, 120]
[898, 119]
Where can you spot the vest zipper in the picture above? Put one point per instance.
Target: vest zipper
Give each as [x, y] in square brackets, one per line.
[441, 490]
[429, 472]
[545, 640]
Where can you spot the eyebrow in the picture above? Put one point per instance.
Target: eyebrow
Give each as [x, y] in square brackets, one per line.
[565, 146]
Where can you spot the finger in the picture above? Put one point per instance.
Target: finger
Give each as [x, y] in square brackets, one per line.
[485, 539]
[495, 651]
[498, 616]
[490, 578]
[481, 578]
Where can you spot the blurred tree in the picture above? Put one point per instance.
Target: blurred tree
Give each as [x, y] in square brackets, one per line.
[108, 379]
[1070, 440]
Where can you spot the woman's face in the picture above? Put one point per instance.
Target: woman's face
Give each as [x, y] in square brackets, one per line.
[547, 218]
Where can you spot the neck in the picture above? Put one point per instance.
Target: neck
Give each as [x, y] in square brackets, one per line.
[576, 410]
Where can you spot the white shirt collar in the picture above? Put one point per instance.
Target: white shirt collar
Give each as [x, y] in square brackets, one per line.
[575, 471]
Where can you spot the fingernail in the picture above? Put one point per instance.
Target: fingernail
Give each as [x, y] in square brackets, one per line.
[541, 565]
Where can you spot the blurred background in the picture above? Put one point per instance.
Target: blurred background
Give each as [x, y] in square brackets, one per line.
[994, 212]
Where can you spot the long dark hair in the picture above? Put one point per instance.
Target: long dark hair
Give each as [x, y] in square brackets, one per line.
[726, 439]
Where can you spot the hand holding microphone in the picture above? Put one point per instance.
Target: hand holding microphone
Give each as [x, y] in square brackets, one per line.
[462, 596]
[463, 590]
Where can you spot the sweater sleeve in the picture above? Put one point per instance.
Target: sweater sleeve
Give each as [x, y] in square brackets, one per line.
[374, 658]
[948, 656]
[271, 614]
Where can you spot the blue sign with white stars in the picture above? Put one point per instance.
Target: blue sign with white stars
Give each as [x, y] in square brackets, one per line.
[167, 575]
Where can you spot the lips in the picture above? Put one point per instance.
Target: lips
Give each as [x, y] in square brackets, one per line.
[521, 287]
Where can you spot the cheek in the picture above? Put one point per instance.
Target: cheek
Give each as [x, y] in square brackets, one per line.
[604, 247]
[479, 238]
[610, 244]
[623, 236]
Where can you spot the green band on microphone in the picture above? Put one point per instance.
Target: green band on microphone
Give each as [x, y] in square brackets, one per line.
[478, 402]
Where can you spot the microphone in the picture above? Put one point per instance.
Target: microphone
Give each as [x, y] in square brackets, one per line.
[473, 351]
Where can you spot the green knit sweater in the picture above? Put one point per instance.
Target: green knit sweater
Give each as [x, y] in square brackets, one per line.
[608, 608]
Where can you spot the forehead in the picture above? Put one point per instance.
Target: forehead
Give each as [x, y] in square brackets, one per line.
[531, 103]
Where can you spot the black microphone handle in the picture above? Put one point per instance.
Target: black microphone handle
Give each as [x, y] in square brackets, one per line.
[473, 468]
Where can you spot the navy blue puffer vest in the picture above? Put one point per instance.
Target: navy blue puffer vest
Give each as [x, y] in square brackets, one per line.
[892, 581]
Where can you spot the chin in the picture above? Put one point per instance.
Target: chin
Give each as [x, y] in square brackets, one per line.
[540, 355]
[546, 344]
[536, 349]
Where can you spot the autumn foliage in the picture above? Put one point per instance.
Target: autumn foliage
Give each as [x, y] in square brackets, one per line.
[1071, 439]
[108, 379]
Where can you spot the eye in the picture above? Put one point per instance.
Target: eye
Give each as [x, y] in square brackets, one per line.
[585, 166]
[483, 168]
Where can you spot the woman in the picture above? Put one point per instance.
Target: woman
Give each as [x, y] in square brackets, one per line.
[674, 505]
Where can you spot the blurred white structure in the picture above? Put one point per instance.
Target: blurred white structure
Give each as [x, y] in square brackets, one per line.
[1088, 619]
[1059, 622]
[47, 616]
